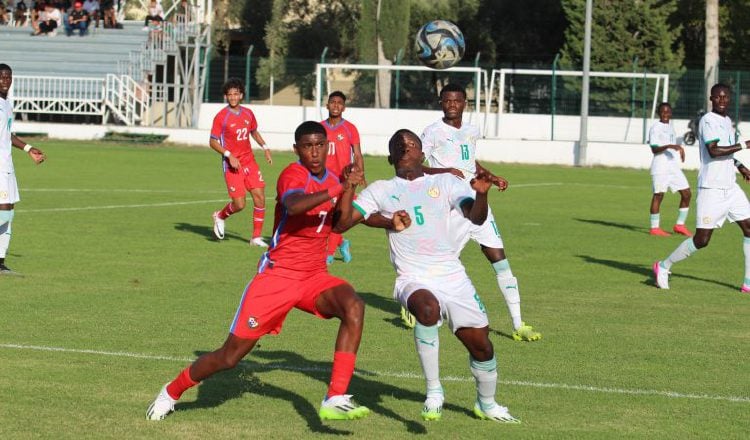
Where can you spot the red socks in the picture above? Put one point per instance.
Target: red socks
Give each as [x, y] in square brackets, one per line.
[227, 211]
[180, 384]
[334, 241]
[258, 216]
[341, 374]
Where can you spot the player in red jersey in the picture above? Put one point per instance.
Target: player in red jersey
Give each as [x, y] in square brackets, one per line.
[293, 274]
[343, 146]
[230, 136]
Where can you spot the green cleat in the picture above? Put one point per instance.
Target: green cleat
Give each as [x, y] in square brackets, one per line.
[407, 318]
[493, 412]
[342, 407]
[433, 406]
[526, 333]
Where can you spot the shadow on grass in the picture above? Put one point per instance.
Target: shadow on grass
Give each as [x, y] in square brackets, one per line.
[208, 232]
[646, 271]
[614, 225]
[387, 305]
[369, 391]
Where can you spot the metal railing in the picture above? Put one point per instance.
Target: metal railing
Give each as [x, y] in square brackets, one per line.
[56, 95]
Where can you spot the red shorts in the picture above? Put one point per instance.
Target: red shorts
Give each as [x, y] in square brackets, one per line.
[269, 298]
[246, 178]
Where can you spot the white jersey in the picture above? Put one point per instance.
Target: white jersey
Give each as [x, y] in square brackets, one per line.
[6, 120]
[446, 146]
[668, 161]
[716, 172]
[425, 249]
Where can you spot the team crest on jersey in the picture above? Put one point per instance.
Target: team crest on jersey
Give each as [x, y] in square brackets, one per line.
[247, 122]
[340, 137]
[252, 322]
[333, 200]
[3, 195]
[433, 192]
[232, 189]
[706, 220]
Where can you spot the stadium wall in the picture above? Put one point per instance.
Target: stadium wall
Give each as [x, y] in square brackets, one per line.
[614, 142]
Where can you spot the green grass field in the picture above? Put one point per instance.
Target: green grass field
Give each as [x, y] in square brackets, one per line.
[125, 285]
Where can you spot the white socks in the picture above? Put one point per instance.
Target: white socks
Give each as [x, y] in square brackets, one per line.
[509, 286]
[485, 375]
[428, 348]
[6, 217]
[684, 250]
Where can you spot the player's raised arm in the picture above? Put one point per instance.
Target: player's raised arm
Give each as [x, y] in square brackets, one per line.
[476, 210]
[343, 215]
[500, 182]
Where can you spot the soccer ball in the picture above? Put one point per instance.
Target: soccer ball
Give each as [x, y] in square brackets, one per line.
[439, 44]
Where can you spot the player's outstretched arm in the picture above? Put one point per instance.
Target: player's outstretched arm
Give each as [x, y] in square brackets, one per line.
[455, 171]
[714, 150]
[477, 210]
[36, 154]
[500, 182]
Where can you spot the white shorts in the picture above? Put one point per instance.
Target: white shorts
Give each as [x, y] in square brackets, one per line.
[459, 301]
[716, 205]
[487, 234]
[674, 182]
[8, 189]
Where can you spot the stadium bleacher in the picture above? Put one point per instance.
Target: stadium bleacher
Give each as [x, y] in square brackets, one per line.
[94, 55]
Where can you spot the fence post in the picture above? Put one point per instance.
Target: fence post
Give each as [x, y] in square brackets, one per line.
[643, 106]
[632, 89]
[247, 72]
[322, 61]
[207, 84]
[553, 95]
[398, 75]
[737, 99]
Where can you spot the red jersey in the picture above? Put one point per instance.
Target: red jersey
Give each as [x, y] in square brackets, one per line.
[232, 129]
[299, 242]
[341, 138]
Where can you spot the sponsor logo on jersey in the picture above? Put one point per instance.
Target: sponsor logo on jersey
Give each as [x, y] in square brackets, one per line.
[252, 322]
[397, 198]
[232, 125]
[433, 192]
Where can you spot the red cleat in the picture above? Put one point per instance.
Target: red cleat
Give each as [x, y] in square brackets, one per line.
[745, 288]
[681, 229]
[660, 232]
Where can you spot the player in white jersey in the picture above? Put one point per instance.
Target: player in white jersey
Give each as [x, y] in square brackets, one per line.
[8, 186]
[450, 147]
[719, 196]
[431, 281]
[666, 173]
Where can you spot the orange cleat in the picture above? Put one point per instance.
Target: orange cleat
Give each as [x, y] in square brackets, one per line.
[681, 229]
[660, 232]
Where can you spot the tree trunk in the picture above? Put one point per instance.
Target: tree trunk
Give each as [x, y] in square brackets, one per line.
[382, 80]
[711, 66]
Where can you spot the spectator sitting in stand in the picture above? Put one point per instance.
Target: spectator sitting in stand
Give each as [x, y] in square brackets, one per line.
[107, 8]
[92, 7]
[155, 11]
[4, 17]
[77, 18]
[49, 21]
[155, 27]
[183, 12]
[19, 13]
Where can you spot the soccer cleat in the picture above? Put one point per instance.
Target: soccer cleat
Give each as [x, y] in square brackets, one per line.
[745, 288]
[526, 333]
[218, 226]
[433, 405]
[161, 407]
[493, 412]
[341, 407]
[346, 251]
[6, 271]
[329, 260]
[681, 229]
[661, 275]
[407, 318]
[659, 232]
[258, 241]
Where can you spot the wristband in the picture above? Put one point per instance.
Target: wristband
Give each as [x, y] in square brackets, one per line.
[335, 191]
[738, 164]
[264, 147]
[27, 148]
[227, 153]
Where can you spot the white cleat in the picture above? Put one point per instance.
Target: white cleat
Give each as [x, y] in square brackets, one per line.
[258, 241]
[218, 226]
[433, 405]
[661, 275]
[493, 412]
[161, 407]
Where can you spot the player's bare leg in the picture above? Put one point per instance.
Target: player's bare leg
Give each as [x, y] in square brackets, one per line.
[425, 308]
[682, 213]
[225, 358]
[484, 370]
[259, 213]
[509, 287]
[656, 200]
[343, 303]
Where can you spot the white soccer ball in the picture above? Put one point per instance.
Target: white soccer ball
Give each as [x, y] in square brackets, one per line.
[439, 44]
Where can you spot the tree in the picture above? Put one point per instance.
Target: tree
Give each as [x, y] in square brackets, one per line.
[624, 34]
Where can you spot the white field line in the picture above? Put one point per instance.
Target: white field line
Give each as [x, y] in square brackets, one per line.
[144, 205]
[395, 374]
